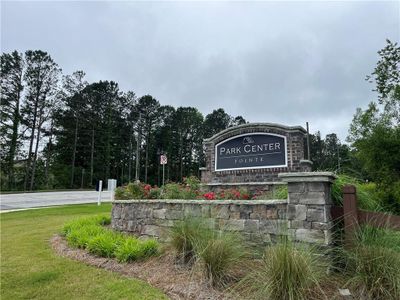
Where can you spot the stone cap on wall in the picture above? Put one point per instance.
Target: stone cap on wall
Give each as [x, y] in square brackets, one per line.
[208, 202]
[244, 183]
[255, 126]
[308, 177]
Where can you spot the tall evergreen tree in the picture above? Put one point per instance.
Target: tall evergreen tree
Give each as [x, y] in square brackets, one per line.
[149, 117]
[41, 77]
[12, 66]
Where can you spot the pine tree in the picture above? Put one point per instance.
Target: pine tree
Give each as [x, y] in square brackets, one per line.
[41, 77]
[12, 66]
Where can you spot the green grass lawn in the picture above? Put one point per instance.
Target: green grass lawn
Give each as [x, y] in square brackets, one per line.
[30, 269]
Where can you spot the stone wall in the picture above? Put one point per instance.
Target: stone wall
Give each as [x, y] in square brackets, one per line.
[295, 136]
[309, 206]
[305, 216]
[260, 222]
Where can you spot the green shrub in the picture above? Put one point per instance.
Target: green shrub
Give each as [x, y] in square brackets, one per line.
[132, 249]
[192, 182]
[218, 254]
[373, 263]
[89, 233]
[288, 271]
[129, 250]
[135, 190]
[172, 191]
[149, 247]
[280, 192]
[78, 223]
[104, 244]
[367, 194]
[121, 193]
[79, 237]
[155, 193]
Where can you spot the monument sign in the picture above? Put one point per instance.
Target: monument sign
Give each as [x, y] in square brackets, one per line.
[251, 151]
[252, 155]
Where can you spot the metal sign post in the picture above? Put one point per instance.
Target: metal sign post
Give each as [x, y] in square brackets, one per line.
[163, 162]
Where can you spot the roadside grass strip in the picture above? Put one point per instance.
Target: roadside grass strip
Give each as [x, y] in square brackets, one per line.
[89, 233]
[31, 270]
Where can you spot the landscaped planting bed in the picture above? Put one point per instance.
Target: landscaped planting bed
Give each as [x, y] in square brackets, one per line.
[90, 234]
[199, 262]
[191, 189]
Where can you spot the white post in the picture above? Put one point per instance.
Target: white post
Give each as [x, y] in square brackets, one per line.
[112, 185]
[99, 195]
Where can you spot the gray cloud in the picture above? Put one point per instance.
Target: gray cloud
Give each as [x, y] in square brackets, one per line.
[274, 62]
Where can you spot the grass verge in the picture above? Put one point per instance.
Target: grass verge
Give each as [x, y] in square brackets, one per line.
[30, 269]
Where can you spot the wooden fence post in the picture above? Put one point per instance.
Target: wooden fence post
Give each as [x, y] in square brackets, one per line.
[350, 213]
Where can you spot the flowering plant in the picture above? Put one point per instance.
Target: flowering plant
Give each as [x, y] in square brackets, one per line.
[209, 196]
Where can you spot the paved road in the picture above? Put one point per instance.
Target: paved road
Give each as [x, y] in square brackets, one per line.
[29, 200]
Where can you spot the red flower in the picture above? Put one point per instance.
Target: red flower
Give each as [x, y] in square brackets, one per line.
[209, 196]
[147, 187]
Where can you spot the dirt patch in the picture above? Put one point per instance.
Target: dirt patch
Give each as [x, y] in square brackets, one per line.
[161, 272]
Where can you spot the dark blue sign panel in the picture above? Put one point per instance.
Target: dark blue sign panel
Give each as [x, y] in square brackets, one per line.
[251, 151]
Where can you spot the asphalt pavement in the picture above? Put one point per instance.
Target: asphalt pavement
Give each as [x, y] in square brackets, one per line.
[44, 199]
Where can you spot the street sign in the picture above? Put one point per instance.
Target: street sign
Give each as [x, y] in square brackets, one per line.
[163, 159]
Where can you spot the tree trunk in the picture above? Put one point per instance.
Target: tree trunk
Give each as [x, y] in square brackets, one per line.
[31, 140]
[146, 160]
[36, 151]
[130, 157]
[91, 159]
[74, 154]
[13, 143]
[181, 158]
[49, 155]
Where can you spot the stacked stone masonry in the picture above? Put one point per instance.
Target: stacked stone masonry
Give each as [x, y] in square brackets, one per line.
[260, 222]
[305, 216]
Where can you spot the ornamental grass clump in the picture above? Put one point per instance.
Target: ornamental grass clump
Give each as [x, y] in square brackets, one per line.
[219, 254]
[374, 263]
[79, 237]
[287, 271]
[183, 235]
[132, 249]
[82, 222]
[90, 234]
[104, 244]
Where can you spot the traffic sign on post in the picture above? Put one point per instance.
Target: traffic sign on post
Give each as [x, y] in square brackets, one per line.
[163, 162]
[163, 159]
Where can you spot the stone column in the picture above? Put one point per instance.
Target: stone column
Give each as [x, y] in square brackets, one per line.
[309, 206]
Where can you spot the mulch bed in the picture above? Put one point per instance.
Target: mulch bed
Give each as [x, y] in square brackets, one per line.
[162, 272]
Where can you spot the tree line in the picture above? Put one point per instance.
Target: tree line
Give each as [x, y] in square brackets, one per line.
[59, 131]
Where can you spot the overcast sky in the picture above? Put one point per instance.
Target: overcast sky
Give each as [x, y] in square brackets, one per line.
[268, 61]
